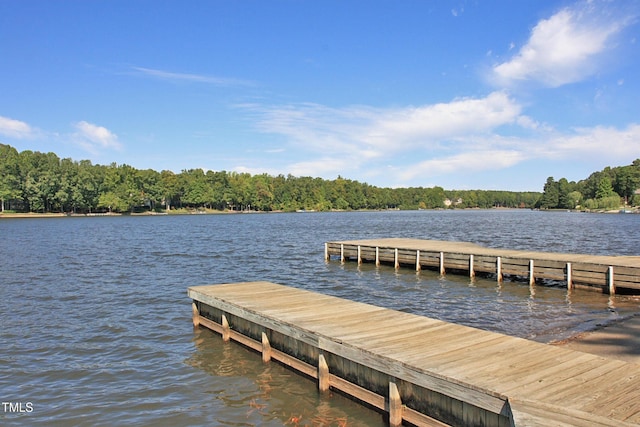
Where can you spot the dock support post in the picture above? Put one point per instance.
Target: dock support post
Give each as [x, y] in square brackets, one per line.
[395, 405]
[359, 255]
[396, 263]
[610, 281]
[472, 273]
[196, 314]
[418, 260]
[266, 348]
[532, 279]
[323, 374]
[569, 278]
[442, 263]
[377, 256]
[342, 252]
[499, 269]
[326, 251]
[226, 331]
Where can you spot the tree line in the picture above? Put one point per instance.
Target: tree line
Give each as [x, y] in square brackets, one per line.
[42, 182]
[606, 189]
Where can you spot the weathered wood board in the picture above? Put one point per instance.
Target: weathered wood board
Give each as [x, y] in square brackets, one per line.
[604, 273]
[444, 373]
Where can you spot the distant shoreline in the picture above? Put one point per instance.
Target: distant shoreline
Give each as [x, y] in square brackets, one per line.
[216, 212]
[91, 215]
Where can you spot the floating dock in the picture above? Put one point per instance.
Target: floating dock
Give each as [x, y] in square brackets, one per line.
[421, 371]
[609, 274]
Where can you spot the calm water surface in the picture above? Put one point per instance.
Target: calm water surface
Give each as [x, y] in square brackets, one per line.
[96, 326]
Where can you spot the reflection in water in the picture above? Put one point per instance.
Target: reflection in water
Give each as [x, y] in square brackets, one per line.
[268, 393]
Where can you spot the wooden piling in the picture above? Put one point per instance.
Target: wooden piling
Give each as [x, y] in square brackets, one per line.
[499, 269]
[532, 279]
[266, 348]
[418, 267]
[323, 374]
[225, 329]
[569, 279]
[611, 282]
[195, 314]
[395, 406]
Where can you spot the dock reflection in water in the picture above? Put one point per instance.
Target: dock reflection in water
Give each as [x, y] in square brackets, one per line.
[268, 393]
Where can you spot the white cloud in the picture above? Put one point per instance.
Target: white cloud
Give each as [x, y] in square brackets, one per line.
[196, 78]
[349, 139]
[596, 145]
[15, 128]
[564, 48]
[469, 161]
[446, 120]
[374, 132]
[600, 142]
[425, 143]
[93, 137]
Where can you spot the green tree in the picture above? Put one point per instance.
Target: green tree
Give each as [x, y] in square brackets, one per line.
[112, 202]
[626, 183]
[605, 189]
[551, 194]
[564, 189]
[9, 175]
[150, 187]
[197, 191]
[574, 199]
[170, 188]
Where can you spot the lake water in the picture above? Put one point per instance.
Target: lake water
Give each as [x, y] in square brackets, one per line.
[96, 324]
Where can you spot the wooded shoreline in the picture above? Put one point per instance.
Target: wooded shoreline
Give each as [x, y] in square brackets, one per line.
[39, 182]
[44, 183]
[181, 212]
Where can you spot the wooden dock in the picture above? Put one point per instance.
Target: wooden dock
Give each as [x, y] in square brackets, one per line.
[421, 371]
[608, 274]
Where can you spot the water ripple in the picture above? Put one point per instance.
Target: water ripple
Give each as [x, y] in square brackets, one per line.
[96, 321]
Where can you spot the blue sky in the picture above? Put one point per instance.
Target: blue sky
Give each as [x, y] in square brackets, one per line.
[460, 94]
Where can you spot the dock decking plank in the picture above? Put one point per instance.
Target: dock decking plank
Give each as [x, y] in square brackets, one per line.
[480, 367]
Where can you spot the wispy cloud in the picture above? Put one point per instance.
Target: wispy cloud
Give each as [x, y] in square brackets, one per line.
[195, 78]
[495, 152]
[430, 141]
[469, 161]
[374, 132]
[564, 48]
[12, 128]
[340, 140]
[604, 142]
[94, 138]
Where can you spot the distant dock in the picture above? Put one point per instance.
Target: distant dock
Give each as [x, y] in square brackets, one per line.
[609, 274]
[419, 370]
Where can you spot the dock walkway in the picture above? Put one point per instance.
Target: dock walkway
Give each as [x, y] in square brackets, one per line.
[609, 274]
[421, 370]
